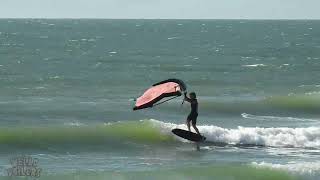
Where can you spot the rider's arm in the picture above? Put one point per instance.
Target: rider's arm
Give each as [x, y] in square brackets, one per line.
[186, 98]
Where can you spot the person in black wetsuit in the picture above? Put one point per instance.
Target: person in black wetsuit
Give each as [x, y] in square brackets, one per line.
[192, 117]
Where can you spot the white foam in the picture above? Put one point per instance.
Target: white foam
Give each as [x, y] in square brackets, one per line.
[88, 103]
[274, 137]
[39, 87]
[73, 124]
[54, 77]
[300, 168]
[169, 38]
[313, 93]
[254, 65]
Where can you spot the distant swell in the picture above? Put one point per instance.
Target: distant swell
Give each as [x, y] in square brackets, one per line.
[305, 103]
[275, 118]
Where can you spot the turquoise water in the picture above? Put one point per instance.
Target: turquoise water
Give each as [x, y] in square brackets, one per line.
[67, 90]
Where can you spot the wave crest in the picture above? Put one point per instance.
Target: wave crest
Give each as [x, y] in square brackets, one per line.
[276, 137]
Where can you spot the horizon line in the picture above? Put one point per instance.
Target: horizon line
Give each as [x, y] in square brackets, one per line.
[79, 18]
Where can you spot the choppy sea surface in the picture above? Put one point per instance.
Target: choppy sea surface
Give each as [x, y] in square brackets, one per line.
[67, 89]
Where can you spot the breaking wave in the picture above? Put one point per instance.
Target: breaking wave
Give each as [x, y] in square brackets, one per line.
[276, 137]
[154, 131]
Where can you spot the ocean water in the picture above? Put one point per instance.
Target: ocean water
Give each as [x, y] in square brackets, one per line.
[67, 89]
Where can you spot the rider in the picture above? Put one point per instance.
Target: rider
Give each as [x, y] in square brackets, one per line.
[194, 110]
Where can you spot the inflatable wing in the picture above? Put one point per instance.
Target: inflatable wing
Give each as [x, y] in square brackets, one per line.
[159, 91]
